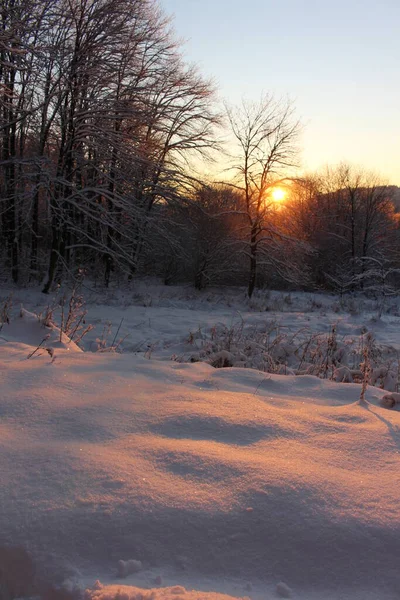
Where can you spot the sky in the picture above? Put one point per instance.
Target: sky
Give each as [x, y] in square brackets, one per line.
[337, 61]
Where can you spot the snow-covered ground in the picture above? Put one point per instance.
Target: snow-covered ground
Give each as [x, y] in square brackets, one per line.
[146, 473]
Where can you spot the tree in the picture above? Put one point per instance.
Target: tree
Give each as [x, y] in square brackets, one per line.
[210, 218]
[99, 120]
[266, 137]
[346, 214]
[22, 23]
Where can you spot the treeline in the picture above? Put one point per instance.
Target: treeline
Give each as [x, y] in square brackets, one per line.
[338, 231]
[102, 123]
[99, 116]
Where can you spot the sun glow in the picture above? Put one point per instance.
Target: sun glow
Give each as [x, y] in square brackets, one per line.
[278, 194]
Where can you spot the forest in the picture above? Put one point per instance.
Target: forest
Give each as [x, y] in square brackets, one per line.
[106, 133]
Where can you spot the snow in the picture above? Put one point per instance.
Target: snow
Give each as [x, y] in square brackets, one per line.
[33, 330]
[163, 479]
[133, 593]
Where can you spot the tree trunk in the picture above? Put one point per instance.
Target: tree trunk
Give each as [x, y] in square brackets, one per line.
[253, 262]
[54, 254]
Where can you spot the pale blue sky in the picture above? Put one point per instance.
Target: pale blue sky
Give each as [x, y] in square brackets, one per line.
[338, 61]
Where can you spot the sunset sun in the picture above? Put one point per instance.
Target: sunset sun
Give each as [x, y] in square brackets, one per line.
[278, 194]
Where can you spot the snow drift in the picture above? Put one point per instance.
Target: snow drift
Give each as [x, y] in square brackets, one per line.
[196, 472]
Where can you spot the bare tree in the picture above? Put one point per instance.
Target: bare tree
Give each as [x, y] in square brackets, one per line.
[346, 214]
[20, 24]
[100, 118]
[129, 116]
[266, 137]
[181, 124]
[211, 220]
